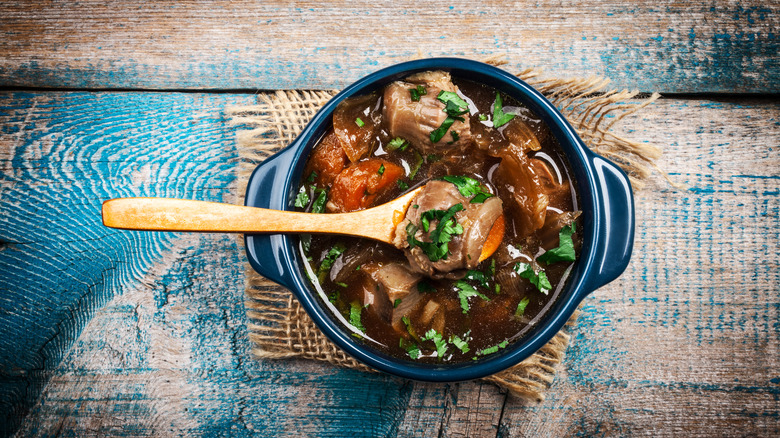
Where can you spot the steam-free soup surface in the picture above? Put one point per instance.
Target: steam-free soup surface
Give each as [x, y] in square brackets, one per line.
[487, 163]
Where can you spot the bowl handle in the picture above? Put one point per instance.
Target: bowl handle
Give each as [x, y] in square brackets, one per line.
[614, 222]
[265, 189]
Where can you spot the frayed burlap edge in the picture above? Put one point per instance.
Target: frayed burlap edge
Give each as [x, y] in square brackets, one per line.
[278, 325]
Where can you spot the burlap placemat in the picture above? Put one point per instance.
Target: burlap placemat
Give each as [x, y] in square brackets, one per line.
[278, 325]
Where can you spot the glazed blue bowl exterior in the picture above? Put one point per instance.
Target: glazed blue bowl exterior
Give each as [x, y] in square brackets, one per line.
[605, 196]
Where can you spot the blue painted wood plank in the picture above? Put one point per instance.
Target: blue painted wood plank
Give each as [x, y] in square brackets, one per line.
[685, 340]
[666, 47]
[62, 155]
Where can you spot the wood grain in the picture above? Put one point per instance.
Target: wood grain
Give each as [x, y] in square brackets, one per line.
[667, 46]
[61, 155]
[168, 214]
[685, 343]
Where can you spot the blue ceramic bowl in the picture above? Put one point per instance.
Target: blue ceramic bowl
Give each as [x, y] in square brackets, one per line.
[605, 196]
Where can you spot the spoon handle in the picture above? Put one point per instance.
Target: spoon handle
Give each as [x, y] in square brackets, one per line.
[167, 214]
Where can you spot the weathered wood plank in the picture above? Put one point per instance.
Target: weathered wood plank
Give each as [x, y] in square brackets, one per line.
[684, 343]
[661, 46]
[61, 155]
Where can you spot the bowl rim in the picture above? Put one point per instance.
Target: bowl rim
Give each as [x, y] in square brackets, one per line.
[576, 288]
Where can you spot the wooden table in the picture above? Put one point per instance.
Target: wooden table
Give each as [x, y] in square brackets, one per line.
[115, 333]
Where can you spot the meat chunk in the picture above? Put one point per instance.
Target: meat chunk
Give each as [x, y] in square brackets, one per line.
[415, 120]
[392, 282]
[475, 219]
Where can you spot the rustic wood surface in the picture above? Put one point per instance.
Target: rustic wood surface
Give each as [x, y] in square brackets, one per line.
[671, 46]
[118, 333]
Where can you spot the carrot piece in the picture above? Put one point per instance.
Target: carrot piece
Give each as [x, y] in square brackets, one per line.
[359, 185]
[327, 160]
[494, 238]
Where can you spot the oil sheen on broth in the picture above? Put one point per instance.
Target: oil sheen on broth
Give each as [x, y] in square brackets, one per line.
[485, 160]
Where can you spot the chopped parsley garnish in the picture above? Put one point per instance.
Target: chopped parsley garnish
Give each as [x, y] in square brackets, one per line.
[409, 328]
[478, 276]
[466, 291]
[454, 106]
[438, 340]
[341, 284]
[462, 345]
[539, 280]
[312, 176]
[328, 261]
[396, 302]
[402, 185]
[334, 297]
[411, 348]
[438, 247]
[381, 169]
[355, 310]
[438, 133]
[483, 117]
[417, 92]
[499, 117]
[520, 311]
[493, 349]
[418, 161]
[469, 187]
[565, 250]
[359, 122]
[302, 199]
[319, 204]
[397, 143]
[455, 136]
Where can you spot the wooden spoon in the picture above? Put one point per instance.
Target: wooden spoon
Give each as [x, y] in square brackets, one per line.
[167, 214]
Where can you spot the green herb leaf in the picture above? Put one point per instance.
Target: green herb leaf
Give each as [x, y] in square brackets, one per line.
[466, 291]
[319, 204]
[565, 250]
[409, 328]
[438, 133]
[469, 187]
[334, 297]
[396, 302]
[355, 310]
[411, 348]
[462, 345]
[438, 340]
[418, 161]
[397, 143]
[328, 261]
[417, 92]
[483, 117]
[454, 104]
[437, 248]
[499, 117]
[479, 277]
[521, 307]
[359, 122]
[539, 280]
[381, 169]
[493, 349]
[302, 199]
[312, 176]
[402, 185]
